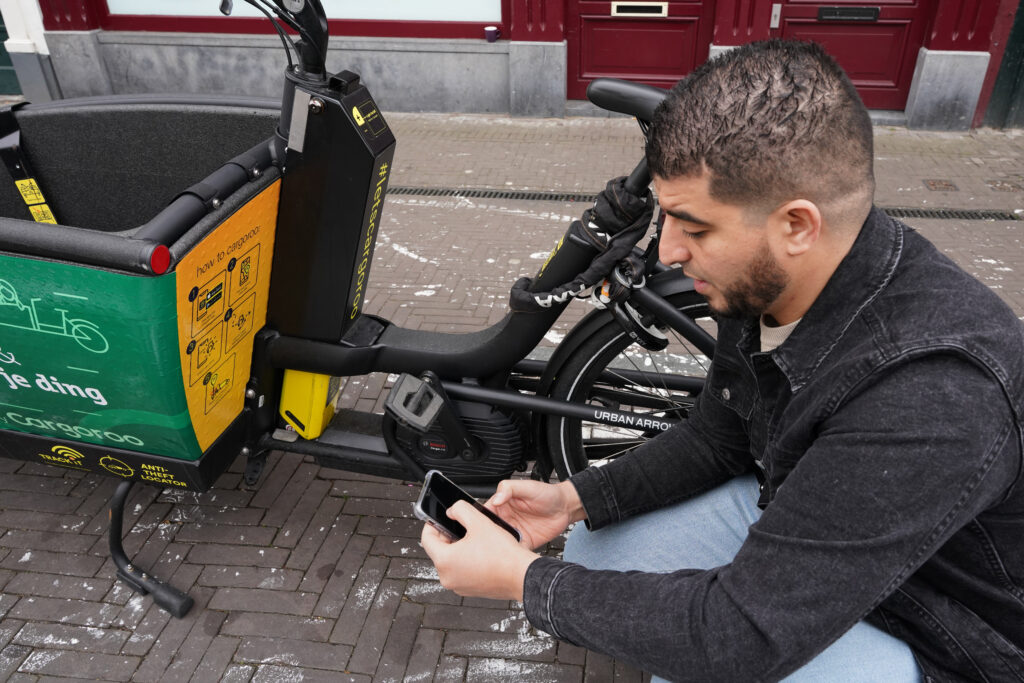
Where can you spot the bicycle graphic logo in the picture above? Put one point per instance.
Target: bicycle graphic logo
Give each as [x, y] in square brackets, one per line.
[8, 358]
[84, 332]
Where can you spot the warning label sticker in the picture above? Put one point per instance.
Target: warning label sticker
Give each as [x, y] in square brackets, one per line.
[223, 285]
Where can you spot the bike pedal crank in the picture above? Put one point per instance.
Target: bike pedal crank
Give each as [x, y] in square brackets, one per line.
[420, 403]
[414, 402]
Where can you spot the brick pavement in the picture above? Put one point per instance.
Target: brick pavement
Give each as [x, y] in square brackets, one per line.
[316, 574]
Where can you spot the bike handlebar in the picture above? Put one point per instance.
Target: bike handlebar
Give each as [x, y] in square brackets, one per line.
[639, 179]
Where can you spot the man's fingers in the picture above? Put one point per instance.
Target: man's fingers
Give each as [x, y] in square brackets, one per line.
[433, 541]
[462, 512]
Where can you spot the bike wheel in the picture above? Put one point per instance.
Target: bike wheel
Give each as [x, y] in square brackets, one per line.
[609, 370]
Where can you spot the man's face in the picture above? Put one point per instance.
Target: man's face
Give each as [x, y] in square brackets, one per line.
[723, 248]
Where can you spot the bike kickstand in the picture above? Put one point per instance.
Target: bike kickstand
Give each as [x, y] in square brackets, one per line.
[164, 595]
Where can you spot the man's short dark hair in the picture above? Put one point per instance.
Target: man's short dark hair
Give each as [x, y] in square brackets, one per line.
[772, 121]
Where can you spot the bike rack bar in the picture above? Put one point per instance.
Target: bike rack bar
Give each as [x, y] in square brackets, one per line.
[166, 596]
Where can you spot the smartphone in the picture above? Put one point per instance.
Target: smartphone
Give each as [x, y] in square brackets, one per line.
[440, 493]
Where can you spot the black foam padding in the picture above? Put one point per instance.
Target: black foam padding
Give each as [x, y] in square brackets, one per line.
[111, 164]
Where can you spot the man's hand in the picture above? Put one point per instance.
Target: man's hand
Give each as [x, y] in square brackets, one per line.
[486, 563]
[540, 511]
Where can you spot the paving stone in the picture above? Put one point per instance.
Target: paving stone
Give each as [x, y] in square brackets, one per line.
[495, 670]
[161, 654]
[68, 564]
[476, 619]
[501, 645]
[216, 659]
[46, 540]
[36, 484]
[430, 592]
[399, 645]
[191, 652]
[234, 555]
[242, 673]
[280, 674]
[374, 489]
[301, 513]
[296, 653]
[41, 521]
[11, 658]
[426, 652]
[7, 601]
[39, 502]
[257, 600]
[390, 526]
[412, 569]
[398, 547]
[377, 628]
[322, 524]
[451, 669]
[269, 578]
[284, 503]
[336, 591]
[223, 534]
[61, 636]
[8, 629]
[274, 479]
[377, 507]
[76, 612]
[328, 558]
[357, 601]
[90, 665]
[277, 626]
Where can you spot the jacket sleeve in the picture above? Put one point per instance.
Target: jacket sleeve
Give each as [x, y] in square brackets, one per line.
[694, 456]
[868, 504]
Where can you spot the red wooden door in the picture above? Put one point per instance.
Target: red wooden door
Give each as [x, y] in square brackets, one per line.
[655, 42]
[877, 42]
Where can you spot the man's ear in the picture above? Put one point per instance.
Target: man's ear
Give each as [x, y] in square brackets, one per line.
[797, 225]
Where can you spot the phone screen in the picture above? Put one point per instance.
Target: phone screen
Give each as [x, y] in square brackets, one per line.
[440, 493]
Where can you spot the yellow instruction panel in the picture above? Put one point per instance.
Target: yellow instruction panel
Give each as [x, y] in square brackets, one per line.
[222, 290]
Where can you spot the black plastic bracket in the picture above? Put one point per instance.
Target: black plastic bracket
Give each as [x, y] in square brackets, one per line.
[164, 595]
[421, 402]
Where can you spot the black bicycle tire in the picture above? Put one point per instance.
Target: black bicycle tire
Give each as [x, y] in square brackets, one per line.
[563, 435]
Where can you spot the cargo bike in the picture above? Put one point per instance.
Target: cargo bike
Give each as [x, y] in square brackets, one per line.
[157, 341]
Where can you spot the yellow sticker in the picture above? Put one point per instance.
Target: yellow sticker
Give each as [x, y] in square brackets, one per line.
[42, 214]
[223, 286]
[30, 191]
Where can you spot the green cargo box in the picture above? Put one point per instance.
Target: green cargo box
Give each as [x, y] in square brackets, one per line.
[121, 352]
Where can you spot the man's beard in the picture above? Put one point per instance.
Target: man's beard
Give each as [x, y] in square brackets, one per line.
[759, 287]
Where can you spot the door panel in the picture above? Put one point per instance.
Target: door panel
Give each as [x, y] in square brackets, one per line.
[878, 55]
[657, 50]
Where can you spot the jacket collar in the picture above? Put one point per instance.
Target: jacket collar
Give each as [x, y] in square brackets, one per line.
[862, 274]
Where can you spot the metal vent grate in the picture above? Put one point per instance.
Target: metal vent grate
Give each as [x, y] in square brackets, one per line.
[957, 214]
[480, 193]
[534, 196]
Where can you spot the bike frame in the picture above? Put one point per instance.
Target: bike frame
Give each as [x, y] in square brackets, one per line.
[330, 160]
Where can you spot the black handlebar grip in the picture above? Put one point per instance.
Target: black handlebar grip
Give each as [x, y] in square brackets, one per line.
[639, 179]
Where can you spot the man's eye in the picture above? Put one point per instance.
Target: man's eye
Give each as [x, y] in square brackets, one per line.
[692, 234]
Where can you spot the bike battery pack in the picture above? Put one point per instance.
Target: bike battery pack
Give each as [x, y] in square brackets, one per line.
[337, 166]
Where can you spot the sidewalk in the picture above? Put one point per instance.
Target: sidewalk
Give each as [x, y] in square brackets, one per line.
[316, 574]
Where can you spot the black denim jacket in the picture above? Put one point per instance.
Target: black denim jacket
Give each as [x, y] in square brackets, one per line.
[887, 433]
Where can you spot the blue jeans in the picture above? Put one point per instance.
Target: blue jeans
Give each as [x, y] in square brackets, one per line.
[706, 532]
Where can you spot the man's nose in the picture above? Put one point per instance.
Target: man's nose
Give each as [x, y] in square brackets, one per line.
[671, 249]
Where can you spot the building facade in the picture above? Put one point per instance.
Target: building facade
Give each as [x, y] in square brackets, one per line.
[929, 63]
